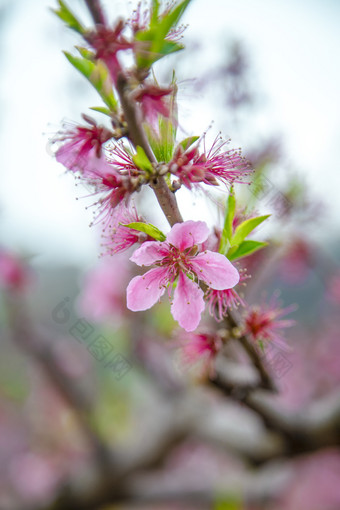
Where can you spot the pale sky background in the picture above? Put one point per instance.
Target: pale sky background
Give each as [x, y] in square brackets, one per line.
[294, 51]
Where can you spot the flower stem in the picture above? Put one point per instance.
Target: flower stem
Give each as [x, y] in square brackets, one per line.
[165, 197]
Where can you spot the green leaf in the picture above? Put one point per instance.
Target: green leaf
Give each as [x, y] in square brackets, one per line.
[162, 143]
[154, 12]
[228, 224]
[148, 229]
[187, 142]
[154, 43]
[167, 131]
[153, 48]
[85, 53]
[244, 229]
[141, 160]
[98, 75]
[101, 109]
[244, 249]
[171, 18]
[229, 502]
[228, 505]
[261, 345]
[64, 13]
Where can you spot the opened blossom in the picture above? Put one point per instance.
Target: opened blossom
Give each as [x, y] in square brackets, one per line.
[210, 167]
[82, 146]
[179, 258]
[117, 237]
[113, 178]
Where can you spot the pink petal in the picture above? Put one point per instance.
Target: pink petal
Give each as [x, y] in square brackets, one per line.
[144, 291]
[188, 303]
[149, 253]
[68, 155]
[97, 167]
[185, 235]
[215, 270]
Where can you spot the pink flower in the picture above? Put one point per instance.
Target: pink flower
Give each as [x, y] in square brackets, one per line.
[13, 273]
[115, 179]
[152, 101]
[119, 238]
[107, 42]
[82, 145]
[200, 348]
[191, 167]
[178, 258]
[113, 190]
[120, 158]
[263, 323]
[220, 301]
[103, 293]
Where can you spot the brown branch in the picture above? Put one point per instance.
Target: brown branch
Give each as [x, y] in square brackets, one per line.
[266, 380]
[313, 428]
[136, 496]
[119, 486]
[165, 197]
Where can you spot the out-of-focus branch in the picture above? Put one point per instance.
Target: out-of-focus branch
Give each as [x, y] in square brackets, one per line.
[120, 486]
[38, 346]
[136, 495]
[266, 380]
[96, 11]
[315, 428]
[311, 429]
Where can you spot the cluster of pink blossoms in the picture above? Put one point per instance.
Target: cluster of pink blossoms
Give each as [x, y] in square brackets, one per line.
[109, 161]
[179, 259]
[110, 172]
[97, 154]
